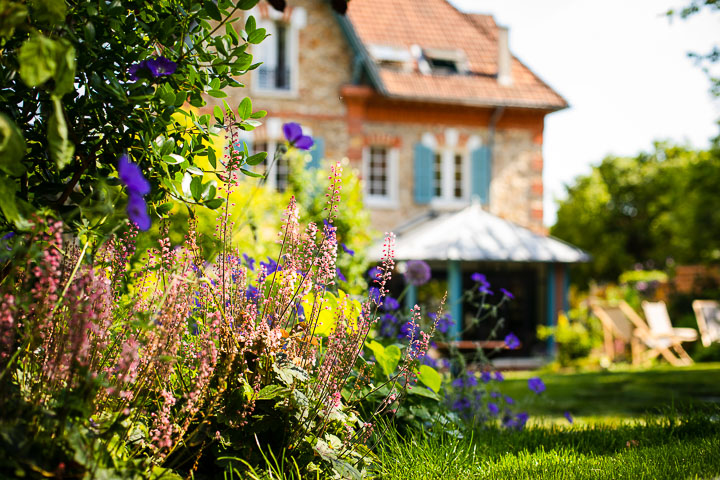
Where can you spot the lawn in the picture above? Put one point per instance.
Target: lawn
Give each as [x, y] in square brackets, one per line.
[660, 423]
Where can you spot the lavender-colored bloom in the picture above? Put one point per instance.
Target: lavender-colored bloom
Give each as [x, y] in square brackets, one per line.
[347, 250]
[509, 400]
[160, 66]
[340, 275]
[512, 342]
[417, 272]
[495, 394]
[249, 261]
[536, 385]
[390, 304]
[492, 408]
[479, 278]
[458, 383]
[485, 290]
[429, 361]
[485, 376]
[131, 175]
[522, 419]
[134, 70]
[270, 267]
[137, 211]
[252, 292]
[443, 323]
[408, 330]
[568, 416]
[374, 274]
[499, 377]
[374, 294]
[507, 294]
[8, 235]
[461, 404]
[294, 135]
[471, 381]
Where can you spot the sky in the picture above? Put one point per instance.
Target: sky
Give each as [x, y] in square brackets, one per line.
[623, 67]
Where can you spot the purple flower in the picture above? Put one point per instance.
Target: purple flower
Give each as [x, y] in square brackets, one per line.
[374, 294]
[509, 400]
[485, 376]
[131, 175]
[443, 323]
[161, 66]
[485, 290]
[293, 134]
[340, 275]
[507, 294]
[374, 274]
[429, 361]
[536, 385]
[251, 293]
[522, 419]
[137, 211]
[347, 250]
[458, 383]
[492, 408]
[471, 381]
[408, 330]
[495, 394]
[479, 278]
[461, 404]
[417, 272]
[499, 377]
[156, 67]
[249, 261]
[390, 304]
[512, 342]
[270, 267]
[568, 416]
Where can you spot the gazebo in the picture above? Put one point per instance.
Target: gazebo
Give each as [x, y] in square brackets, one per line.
[534, 267]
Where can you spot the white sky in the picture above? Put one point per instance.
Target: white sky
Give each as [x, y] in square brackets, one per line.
[623, 67]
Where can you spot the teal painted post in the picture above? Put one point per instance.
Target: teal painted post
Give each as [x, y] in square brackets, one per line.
[566, 288]
[455, 298]
[410, 296]
[550, 278]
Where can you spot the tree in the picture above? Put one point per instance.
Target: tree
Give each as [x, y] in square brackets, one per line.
[84, 84]
[650, 208]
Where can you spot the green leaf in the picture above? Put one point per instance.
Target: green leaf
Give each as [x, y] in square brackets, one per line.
[250, 173]
[212, 10]
[65, 68]
[257, 36]
[194, 170]
[14, 14]
[173, 159]
[259, 114]
[164, 209]
[218, 114]
[217, 93]
[230, 31]
[49, 12]
[61, 149]
[245, 108]
[250, 24]
[423, 392]
[196, 188]
[9, 206]
[246, 4]
[430, 378]
[37, 60]
[387, 357]
[214, 203]
[12, 147]
[257, 158]
[268, 392]
[211, 157]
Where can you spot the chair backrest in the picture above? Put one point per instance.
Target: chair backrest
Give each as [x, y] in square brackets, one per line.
[614, 320]
[707, 314]
[657, 318]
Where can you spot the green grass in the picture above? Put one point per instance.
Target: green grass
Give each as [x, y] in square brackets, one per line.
[659, 448]
[659, 423]
[627, 393]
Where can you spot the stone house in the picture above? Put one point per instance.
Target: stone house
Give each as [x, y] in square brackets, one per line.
[440, 119]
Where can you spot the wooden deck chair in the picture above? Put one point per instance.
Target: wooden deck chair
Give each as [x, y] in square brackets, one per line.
[617, 332]
[707, 314]
[659, 335]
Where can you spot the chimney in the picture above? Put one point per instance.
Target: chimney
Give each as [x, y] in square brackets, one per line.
[504, 75]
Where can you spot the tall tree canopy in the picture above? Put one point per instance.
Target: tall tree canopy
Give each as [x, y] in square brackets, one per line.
[649, 208]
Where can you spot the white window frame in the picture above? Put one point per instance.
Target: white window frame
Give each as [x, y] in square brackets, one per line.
[390, 200]
[447, 152]
[298, 19]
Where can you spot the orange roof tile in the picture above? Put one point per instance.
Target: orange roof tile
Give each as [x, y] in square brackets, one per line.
[435, 24]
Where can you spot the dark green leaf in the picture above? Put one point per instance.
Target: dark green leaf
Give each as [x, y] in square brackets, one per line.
[14, 14]
[48, 12]
[37, 60]
[250, 173]
[61, 149]
[269, 392]
[257, 158]
[257, 36]
[214, 203]
[250, 24]
[12, 147]
[196, 188]
[217, 93]
[172, 159]
[212, 10]
[164, 209]
[218, 114]
[258, 114]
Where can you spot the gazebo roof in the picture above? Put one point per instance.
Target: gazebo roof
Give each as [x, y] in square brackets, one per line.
[472, 234]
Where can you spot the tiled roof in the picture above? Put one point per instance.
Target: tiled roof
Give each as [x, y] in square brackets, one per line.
[435, 24]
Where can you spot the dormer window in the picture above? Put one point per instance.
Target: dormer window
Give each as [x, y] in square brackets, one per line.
[435, 61]
[443, 65]
[392, 57]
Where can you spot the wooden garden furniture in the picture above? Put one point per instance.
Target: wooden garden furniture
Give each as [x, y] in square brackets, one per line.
[707, 314]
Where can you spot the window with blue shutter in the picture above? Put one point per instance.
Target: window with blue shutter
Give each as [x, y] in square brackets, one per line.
[481, 171]
[423, 170]
[317, 152]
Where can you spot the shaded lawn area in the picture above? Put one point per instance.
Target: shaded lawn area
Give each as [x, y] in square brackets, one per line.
[622, 394]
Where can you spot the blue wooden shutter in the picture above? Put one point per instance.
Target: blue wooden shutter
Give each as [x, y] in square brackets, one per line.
[317, 153]
[481, 173]
[423, 173]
